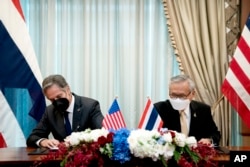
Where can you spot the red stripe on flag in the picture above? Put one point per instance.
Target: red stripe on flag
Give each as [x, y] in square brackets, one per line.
[160, 125]
[120, 120]
[243, 46]
[114, 119]
[236, 102]
[2, 141]
[18, 7]
[150, 118]
[240, 74]
[105, 122]
[144, 114]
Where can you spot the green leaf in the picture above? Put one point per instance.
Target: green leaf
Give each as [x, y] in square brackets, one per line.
[163, 161]
[192, 155]
[63, 162]
[177, 155]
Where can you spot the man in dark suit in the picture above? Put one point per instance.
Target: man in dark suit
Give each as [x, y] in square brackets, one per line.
[83, 113]
[197, 116]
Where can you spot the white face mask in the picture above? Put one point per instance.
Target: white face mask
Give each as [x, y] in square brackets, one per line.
[179, 104]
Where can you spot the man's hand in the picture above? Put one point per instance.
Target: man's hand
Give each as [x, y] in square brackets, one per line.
[207, 141]
[49, 143]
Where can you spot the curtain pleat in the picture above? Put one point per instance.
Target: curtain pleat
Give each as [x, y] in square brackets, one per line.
[197, 29]
[105, 48]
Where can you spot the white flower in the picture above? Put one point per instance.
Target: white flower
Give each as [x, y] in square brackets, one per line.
[142, 143]
[168, 151]
[180, 139]
[73, 139]
[88, 135]
[95, 134]
[150, 144]
[167, 137]
[191, 141]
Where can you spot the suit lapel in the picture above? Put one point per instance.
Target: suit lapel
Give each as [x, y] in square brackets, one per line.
[77, 112]
[193, 122]
[173, 120]
[60, 123]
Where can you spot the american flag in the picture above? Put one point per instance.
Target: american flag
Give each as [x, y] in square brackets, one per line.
[150, 118]
[236, 86]
[114, 119]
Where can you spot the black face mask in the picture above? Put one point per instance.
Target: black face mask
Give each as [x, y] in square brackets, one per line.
[61, 104]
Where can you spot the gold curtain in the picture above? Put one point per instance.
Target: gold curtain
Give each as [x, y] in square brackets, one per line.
[198, 33]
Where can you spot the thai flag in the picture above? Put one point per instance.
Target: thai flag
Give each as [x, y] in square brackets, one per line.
[114, 119]
[150, 118]
[20, 89]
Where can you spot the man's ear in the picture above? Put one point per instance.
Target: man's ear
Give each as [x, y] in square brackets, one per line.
[193, 92]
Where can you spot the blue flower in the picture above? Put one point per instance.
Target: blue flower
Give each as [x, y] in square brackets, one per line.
[121, 150]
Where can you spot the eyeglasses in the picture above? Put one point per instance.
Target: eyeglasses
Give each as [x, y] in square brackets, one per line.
[180, 96]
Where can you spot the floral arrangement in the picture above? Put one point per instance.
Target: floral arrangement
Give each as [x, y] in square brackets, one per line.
[95, 147]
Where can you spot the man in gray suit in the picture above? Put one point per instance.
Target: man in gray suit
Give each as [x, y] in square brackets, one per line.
[197, 116]
[82, 113]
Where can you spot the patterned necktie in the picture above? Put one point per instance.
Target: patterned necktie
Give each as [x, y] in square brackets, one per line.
[183, 120]
[67, 123]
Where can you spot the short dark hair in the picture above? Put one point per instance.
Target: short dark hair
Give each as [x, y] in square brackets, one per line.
[56, 79]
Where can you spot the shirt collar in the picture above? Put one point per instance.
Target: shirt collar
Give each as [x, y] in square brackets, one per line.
[187, 111]
[70, 109]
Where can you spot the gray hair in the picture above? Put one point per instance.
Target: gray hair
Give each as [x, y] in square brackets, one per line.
[58, 80]
[183, 78]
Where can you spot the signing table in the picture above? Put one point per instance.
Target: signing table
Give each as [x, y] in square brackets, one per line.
[10, 157]
[19, 156]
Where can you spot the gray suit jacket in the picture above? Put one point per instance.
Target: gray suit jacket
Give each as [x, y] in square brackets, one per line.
[86, 114]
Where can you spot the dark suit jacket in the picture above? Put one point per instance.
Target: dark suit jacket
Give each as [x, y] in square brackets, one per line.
[86, 114]
[202, 124]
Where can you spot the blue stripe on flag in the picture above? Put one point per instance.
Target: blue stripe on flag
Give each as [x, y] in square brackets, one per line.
[248, 23]
[16, 73]
[152, 119]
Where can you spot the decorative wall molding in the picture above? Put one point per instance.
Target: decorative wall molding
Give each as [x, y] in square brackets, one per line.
[232, 14]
